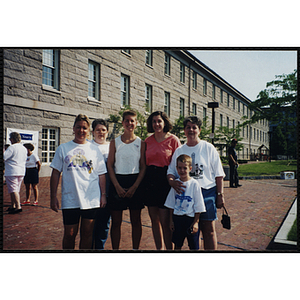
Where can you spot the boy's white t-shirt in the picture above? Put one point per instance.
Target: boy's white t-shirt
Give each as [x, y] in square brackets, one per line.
[81, 165]
[32, 160]
[206, 163]
[189, 202]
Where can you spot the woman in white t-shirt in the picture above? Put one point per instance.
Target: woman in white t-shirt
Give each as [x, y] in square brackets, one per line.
[208, 171]
[33, 167]
[83, 184]
[102, 222]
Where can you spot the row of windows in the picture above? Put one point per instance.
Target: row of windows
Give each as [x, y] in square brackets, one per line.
[51, 78]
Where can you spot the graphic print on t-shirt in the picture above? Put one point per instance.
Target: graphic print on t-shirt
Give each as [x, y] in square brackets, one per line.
[78, 160]
[197, 170]
[182, 202]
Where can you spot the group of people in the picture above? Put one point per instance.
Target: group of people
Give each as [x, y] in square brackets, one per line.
[20, 163]
[181, 185]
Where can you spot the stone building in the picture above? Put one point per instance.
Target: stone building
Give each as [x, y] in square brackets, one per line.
[44, 89]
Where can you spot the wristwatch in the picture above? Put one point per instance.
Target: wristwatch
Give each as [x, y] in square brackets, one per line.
[220, 194]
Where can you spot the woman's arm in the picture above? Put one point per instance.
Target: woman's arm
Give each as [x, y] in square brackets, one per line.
[54, 181]
[110, 168]
[102, 183]
[220, 194]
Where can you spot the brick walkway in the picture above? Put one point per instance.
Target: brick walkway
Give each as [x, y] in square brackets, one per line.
[257, 209]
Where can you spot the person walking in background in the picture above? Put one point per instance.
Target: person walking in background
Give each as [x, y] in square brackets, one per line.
[185, 208]
[15, 159]
[208, 170]
[83, 184]
[160, 147]
[233, 165]
[102, 222]
[33, 167]
[126, 167]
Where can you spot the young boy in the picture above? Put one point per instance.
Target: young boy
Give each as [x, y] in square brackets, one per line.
[185, 208]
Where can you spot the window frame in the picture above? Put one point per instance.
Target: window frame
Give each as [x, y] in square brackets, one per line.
[124, 91]
[54, 69]
[181, 107]
[48, 140]
[167, 104]
[95, 82]
[194, 78]
[148, 100]
[182, 73]
[167, 69]
[149, 58]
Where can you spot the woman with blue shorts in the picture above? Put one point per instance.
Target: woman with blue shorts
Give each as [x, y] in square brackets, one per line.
[207, 169]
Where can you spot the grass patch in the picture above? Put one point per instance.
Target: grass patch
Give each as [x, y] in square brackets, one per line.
[267, 168]
[292, 235]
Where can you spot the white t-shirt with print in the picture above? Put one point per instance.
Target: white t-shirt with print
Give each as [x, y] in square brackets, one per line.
[32, 160]
[189, 202]
[206, 163]
[81, 165]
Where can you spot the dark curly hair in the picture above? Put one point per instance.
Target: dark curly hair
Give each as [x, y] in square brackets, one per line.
[193, 120]
[168, 125]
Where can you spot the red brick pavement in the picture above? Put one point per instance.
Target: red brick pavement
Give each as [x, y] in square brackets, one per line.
[257, 209]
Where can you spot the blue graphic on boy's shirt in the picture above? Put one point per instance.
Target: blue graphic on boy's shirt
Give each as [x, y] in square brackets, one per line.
[182, 202]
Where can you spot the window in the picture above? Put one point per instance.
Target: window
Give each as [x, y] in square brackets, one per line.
[243, 109]
[182, 73]
[233, 124]
[194, 109]
[228, 122]
[124, 90]
[194, 80]
[239, 106]
[167, 64]
[148, 98]
[204, 86]
[214, 92]
[221, 96]
[204, 113]
[49, 144]
[149, 57]
[93, 81]
[228, 100]
[221, 120]
[127, 51]
[167, 104]
[51, 68]
[181, 107]
[233, 103]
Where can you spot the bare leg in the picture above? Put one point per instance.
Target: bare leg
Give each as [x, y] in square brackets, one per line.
[70, 233]
[136, 224]
[28, 192]
[115, 231]
[35, 192]
[15, 200]
[164, 215]
[86, 233]
[156, 227]
[209, 235]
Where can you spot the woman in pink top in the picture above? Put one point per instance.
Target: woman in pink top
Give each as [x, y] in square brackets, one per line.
[160, 147]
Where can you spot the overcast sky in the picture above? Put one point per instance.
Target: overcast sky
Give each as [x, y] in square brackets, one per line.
[249, 71]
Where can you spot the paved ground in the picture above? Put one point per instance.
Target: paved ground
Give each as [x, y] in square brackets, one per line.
[257, 210]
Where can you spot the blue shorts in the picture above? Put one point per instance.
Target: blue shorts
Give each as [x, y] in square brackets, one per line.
[209, 196]
[181, 226]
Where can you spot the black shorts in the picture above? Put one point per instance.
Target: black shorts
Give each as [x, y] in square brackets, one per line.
[31, 176]
[71, 216]
[156, 186]
[114, 202]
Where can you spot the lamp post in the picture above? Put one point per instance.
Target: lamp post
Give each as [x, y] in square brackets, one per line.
[213, 105]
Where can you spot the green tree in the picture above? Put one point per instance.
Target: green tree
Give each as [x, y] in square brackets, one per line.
[277, 104]
[278, 142]
[224, 136]
[141, 129]
[205, 130]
